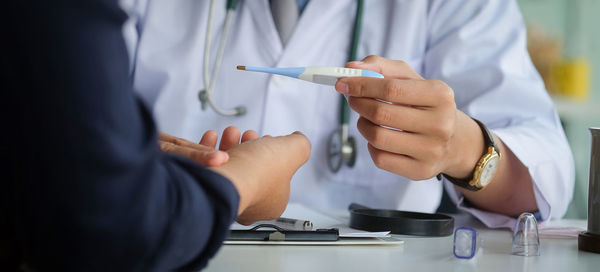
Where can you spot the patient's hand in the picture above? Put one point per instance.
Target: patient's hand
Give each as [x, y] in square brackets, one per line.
[261, 170]
[205, 152]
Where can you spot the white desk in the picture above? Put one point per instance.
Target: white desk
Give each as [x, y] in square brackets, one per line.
[417, 254]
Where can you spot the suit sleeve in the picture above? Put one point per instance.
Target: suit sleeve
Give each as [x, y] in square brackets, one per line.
[94, 192]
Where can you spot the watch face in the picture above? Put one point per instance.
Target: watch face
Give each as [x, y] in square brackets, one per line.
[487, 174]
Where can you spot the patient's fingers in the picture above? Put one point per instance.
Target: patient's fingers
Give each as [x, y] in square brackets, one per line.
[183, 142]
[249, 135]
[210, 138]
[207, 157]
[172, 139]
[230, 138]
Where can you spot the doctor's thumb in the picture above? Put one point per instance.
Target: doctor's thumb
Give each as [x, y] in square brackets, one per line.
[373, 63]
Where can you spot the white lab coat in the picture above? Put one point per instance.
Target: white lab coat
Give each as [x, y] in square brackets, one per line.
[476, 46]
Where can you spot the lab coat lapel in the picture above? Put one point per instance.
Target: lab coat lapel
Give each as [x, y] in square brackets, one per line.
[261, 13]
[294, 105]
[330, 18]
[320, 17]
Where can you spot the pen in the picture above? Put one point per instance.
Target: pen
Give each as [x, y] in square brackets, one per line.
[296, 224]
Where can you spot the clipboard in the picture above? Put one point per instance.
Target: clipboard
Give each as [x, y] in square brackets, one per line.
[320, 220]
[278, 234]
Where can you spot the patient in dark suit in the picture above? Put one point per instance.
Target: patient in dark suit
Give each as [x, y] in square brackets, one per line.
[85, 185]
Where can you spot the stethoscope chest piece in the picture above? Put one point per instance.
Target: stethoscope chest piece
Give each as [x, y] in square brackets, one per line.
[340, 151]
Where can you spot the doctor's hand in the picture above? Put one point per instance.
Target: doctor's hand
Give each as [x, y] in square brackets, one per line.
[261, 171]
[412, 124]
[205, 152]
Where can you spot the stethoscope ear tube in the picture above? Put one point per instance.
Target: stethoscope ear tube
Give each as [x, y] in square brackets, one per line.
[348, 144]
[400, 222]
[205, 95]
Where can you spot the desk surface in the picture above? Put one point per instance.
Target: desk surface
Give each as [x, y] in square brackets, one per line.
[417, 254]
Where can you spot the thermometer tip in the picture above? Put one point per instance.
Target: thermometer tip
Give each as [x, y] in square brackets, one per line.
[241, 67]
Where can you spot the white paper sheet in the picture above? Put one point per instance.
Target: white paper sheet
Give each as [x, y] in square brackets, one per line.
[389, 241]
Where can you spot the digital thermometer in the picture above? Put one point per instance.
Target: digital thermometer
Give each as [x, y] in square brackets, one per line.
[320, 75]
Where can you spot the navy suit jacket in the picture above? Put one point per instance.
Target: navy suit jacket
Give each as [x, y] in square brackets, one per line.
[84, 184]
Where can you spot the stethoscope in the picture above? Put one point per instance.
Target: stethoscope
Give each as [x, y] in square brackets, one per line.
[342, 147]
[205, 95]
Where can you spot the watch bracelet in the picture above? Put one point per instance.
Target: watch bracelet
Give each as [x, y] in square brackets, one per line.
[488, 140]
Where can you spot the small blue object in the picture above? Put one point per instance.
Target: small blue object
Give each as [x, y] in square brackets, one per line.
[367, 73]
[465, 242]
[319, 75]
[290, 72]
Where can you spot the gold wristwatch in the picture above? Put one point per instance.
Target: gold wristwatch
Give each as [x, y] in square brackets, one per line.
[486, 166]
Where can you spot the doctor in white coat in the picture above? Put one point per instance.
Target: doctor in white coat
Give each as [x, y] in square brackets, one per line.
[444, 63]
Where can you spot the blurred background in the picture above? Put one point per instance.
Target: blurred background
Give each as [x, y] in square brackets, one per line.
[564, 43]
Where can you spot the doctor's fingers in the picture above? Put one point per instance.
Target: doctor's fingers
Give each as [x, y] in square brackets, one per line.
[387, 67]
[207, 157]
[424, 93]
[413, 119]
[422, 147]
[402, 164]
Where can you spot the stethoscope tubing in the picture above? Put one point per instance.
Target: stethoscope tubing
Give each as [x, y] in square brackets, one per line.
[205, 95]
[356, 33]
